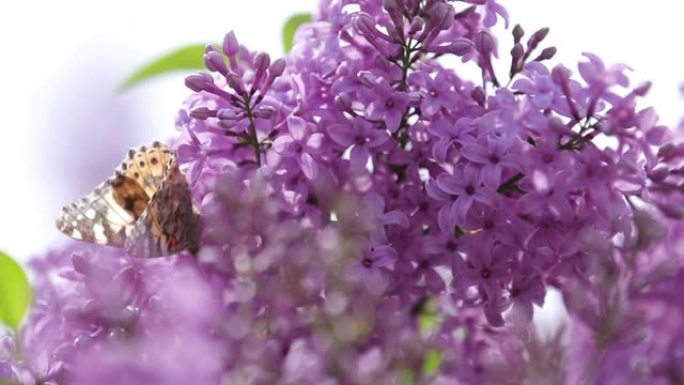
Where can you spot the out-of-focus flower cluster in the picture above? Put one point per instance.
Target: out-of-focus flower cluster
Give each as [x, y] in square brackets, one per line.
[370, 216]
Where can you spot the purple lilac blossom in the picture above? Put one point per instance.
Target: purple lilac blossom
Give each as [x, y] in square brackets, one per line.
[366, 208]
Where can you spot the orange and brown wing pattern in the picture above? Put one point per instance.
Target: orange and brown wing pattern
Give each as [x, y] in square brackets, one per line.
[170, 223]
[145, 207]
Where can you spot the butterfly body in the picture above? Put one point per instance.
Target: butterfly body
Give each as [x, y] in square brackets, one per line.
[146, 207]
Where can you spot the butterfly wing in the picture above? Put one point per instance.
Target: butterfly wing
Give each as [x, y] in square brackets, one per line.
[97, 218]
[170, 223]
[108, 214]
[147, 166]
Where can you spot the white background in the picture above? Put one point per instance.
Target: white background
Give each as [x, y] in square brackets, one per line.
[64, 128]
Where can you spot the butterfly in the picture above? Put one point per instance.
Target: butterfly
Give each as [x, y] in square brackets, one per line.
[146, 207]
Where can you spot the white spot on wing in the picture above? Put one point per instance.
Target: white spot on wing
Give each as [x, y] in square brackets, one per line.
[98, 230]
[90, 213]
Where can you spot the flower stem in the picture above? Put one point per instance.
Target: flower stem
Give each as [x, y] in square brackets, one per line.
[254, 140]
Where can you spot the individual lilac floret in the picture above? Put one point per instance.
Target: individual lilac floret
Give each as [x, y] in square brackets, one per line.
[469, 186]
[300, 145]
[362, 137]
[386, 104]
[373, 268]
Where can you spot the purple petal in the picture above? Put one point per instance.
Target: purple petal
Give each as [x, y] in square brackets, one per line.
[281, 144]
[475, 152]
[543, 101]
[434, 192]
[359, 157]
[194, 171]
[297, 127]
[376, 138]
[186, 152]
[308, 165]
[441, 149]
[315, 141]
[450, 184]
[459, 210]
[444, 220]
[374, 203]
[384, 256]
[493, 315]
[395, 218]
[376, 281]
[433, 281]
[521, 313]
[392, 121]
[341, 134]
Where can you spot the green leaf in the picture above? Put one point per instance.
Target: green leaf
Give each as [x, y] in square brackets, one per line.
[181, 59]
[427, 323]
[291, 26]
[429, 318]
[15, 292]
[433, 358]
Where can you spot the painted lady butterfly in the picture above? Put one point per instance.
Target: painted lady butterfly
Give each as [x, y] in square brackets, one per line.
[145, 207]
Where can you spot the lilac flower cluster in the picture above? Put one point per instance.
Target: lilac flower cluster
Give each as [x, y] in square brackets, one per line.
[371, 216]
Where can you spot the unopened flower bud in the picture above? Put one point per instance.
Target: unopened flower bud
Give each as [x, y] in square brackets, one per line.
[264, 112]
[226, 114]
[394, 11]
[261, 61]
[517, 53]
[230, 44]
[367, 78]
[229, 118]
[546, 54]
[642, 89]
[202, 113]
[214, 62]
[518, 33]
[277, 68]
[448, 19]
[227, 123]
[235, 82]
[200, 82]
[458, 47]
[417, 25]
[537, 38]
[484, 43]
[479, 96]
[365, 25]
[440, 16]
[414, 98]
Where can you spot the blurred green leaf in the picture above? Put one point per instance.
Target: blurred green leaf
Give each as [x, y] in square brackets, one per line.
[291, 26]
[15, 292]
[433, 358]
[181, 59]
[429, 319]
